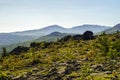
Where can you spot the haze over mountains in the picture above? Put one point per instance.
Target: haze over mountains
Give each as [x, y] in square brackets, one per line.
[17, 37]
[52, 28]
[113, 29]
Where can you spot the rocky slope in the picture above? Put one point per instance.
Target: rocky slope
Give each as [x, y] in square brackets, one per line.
[96, 59]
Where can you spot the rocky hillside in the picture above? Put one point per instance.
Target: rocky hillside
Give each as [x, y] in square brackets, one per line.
[82, 58]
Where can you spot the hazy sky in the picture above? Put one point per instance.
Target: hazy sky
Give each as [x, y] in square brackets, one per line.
[18, 15]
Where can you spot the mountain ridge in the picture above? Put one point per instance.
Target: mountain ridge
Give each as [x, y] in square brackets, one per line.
[114, 29]
[57, 28]
[34, 34]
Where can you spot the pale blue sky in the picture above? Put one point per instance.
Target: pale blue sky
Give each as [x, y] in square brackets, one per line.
[19, 15]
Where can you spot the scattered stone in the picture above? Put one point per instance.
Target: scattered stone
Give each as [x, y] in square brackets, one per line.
[98, 67]
[22, 76]
[84, 59]
[72, 66]
[19, 77]
[61, 69]
[97, 74]
[108, 72]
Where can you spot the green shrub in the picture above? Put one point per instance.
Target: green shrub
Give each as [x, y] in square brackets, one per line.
[4, 77]
[4, 52]
[109, 47]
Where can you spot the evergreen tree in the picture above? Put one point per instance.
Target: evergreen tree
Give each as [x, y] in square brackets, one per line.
[4, 52]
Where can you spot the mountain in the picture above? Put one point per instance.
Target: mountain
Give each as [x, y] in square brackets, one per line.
[56, 28]
[94, 28]
[117, 26]
[17, 37]
[50, 37]
[43, 31]
[8, 38]
[55, 34]
[113, 29]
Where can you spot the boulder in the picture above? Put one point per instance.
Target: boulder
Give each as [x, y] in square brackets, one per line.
[88, 35]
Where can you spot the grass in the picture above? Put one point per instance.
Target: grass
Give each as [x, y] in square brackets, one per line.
[44, 59]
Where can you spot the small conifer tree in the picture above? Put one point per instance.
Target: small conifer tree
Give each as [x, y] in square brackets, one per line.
[4, 52]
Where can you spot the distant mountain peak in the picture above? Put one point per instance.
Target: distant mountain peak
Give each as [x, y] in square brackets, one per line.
[89, 25]
[53, 26]
[55, 34]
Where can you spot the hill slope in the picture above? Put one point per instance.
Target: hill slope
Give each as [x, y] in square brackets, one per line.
[50, 37]
[113, 29]
[96, 59]
[9, 38]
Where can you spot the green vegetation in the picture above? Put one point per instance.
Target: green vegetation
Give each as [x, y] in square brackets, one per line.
[96, 59]
[4, 52]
